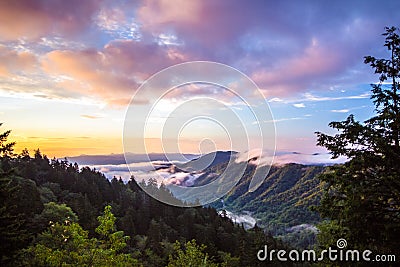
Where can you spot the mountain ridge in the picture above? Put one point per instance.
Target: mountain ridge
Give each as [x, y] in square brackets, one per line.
[281, 203]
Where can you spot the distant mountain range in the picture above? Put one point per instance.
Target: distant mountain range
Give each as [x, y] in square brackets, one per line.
[116, 159]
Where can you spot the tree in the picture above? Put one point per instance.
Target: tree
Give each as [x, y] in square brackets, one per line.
[19, 201]
[67, 243]
[6, 149]
[111, 239]
[54, 213]
[6, 152]
[192, 255]
[362, 196]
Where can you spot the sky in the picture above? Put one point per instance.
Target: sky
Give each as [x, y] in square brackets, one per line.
[70, 71]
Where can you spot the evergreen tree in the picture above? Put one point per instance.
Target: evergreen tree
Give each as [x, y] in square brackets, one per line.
[362, 196]
[19, 201]
[6, 148]
[192, 255]
[27, 184]
[67, 244]
[52, 213]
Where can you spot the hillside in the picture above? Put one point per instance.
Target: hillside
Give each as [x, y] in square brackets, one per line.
[281, 205]
[41, 197]
[283, 199]
[206, 161]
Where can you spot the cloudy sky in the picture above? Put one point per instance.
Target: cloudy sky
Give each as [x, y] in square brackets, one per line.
[68, 69]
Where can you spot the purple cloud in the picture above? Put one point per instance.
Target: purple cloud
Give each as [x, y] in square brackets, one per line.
[286, 47]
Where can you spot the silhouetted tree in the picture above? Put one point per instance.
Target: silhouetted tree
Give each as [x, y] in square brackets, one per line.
[362, 196]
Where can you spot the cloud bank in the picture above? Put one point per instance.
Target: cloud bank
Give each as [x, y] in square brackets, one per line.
[104, 50]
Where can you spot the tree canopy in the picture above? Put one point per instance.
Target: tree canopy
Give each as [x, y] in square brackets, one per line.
[362, 196]
[54, 213]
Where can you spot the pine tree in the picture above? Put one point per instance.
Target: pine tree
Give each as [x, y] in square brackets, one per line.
[362, 196]
[6, 149]
[192, 255]
[67, 244]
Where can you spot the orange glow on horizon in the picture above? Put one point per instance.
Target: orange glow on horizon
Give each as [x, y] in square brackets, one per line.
[60, 147]
[68, 147]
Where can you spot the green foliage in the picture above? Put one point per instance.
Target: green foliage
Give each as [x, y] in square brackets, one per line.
[107, 223]
[362, 196]
[77, 202]
[111, 239]
[19, 201]
[53, 213]
[68, 244]
[228, 260]
[330, 232]
[300, 239]
[60, 213]
[46, 195]
[283, 200]
[191, 255]
[61, 244]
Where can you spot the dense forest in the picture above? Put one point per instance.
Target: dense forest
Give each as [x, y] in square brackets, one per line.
[54, 212]
[284, 200]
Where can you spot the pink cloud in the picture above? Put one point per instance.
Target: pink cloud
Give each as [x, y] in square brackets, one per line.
[112, 73]
[87, 116]
[269, 41]
[141, 59]
[299, 72]
[12, 61]
[199, 89]
[202, 22]
[91, 74]
[154, 13]
[266, 41]
[215, 27]
[34, 19]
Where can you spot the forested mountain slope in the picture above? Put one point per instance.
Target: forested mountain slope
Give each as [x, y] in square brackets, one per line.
[282, 202]
[34, 190]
